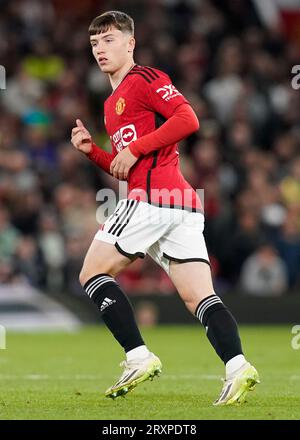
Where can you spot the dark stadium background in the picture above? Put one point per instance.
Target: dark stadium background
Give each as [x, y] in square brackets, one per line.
[233, 61]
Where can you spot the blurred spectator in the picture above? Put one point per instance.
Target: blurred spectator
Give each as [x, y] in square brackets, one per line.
[9, 236]
[7, 272]
[22, 93]
[264, 273]
[146, 314]
[242, 241]
[290, 185]
[288, 246]
[52, 245]
[74, 253]
[224, 89]
[26, 210]
[29, 261]
[42, 63]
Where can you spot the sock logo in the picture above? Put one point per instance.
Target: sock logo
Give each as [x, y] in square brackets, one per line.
[106, 303]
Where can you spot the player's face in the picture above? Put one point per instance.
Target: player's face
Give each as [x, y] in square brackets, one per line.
[112, 49]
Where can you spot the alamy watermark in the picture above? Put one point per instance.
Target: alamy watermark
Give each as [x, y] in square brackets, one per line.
[2, 78]
[185, 199]
[295, 343]
[2, 338]
[296, 79]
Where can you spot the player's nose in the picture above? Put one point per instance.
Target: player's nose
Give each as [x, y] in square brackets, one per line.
[100, 50]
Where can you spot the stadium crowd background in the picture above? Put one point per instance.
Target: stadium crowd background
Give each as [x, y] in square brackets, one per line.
[236, 73]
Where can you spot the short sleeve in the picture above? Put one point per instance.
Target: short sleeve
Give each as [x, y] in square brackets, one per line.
[162, 96]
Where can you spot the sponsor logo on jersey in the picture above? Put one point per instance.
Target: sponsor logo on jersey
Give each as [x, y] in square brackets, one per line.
[168, 92]
[124, 136]
[120, 106]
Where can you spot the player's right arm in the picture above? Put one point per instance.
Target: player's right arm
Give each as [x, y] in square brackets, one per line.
[82, 141]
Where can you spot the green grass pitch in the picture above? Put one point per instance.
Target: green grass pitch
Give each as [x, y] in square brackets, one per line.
[63, 376]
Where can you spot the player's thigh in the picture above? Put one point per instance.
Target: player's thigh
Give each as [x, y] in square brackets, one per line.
[102, 257]
[192, 280]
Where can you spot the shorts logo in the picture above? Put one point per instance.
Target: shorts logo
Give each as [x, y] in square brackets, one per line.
[124, 136]
[168, 92]
[120, 106]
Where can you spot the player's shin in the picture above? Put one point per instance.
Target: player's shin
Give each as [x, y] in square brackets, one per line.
[222, 331]
[116, 311]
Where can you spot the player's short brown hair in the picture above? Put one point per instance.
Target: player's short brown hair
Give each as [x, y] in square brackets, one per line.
[107, 20]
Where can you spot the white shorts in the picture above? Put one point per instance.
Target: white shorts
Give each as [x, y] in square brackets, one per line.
[138, 228]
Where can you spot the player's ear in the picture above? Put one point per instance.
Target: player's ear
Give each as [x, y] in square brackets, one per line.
[131, 44]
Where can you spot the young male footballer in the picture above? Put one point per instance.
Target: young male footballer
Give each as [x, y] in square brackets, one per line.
[145, 116]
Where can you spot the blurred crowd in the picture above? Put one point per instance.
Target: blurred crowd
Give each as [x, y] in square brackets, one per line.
[237, 75]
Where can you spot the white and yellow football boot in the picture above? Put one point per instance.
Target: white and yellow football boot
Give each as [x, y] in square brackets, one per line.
[135, 372]
[236, 388]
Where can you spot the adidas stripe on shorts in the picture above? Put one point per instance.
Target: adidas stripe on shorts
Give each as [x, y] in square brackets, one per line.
[137, 228]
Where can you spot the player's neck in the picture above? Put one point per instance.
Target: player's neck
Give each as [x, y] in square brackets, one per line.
[117, 77]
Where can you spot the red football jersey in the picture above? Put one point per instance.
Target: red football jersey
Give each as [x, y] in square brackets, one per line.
[143, 100]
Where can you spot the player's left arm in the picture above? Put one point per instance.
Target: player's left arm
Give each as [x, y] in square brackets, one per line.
[180, 125]
[181, 121]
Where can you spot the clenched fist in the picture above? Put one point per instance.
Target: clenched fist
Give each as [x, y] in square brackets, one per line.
[81, 138]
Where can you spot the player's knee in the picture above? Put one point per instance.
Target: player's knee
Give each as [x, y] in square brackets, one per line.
[87, 272]
[192, 298]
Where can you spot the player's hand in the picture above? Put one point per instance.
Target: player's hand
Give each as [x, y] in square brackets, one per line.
[81, 138]
[122, 163]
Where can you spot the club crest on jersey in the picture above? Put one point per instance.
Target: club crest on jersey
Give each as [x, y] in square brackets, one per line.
[124, 136]
[120, 106]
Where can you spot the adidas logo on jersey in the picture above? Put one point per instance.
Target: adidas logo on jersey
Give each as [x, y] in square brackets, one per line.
[106, 302]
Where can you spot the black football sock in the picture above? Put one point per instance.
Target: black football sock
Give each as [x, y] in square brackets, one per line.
[221, 327]
[116, 310]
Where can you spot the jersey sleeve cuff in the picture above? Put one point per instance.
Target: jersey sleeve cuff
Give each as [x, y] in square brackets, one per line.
[134, 150]
[94, 150]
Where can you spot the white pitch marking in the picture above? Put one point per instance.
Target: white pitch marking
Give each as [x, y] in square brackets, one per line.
[97, 377]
